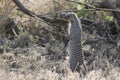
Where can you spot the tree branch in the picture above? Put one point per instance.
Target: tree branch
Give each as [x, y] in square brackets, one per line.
[28, 12]
[94, 8]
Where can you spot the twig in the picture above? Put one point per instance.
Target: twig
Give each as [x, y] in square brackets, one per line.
[82, 4]
[84, 10]
[94, 8]
[59, 4]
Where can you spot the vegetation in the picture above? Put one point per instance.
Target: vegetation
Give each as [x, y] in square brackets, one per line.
[34, 49]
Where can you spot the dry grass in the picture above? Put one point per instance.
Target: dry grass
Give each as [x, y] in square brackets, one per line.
[28, 64]
[6, 7]
[36, 63]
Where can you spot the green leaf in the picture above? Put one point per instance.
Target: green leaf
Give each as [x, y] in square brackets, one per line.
[109, 18]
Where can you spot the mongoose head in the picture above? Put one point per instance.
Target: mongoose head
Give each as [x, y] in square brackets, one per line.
[69, 17]
[74, 24]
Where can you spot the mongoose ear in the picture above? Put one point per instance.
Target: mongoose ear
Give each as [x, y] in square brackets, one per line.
[63, 15]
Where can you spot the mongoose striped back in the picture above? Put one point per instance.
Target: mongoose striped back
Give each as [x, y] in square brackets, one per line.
[74, 44]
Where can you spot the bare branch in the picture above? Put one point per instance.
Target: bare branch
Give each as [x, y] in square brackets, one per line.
[28, 12]
[82, 4]
[94, 8]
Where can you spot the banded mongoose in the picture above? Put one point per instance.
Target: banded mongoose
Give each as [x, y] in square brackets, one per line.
[75, 37]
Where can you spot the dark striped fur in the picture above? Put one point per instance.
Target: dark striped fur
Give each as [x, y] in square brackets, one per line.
[75, 43]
